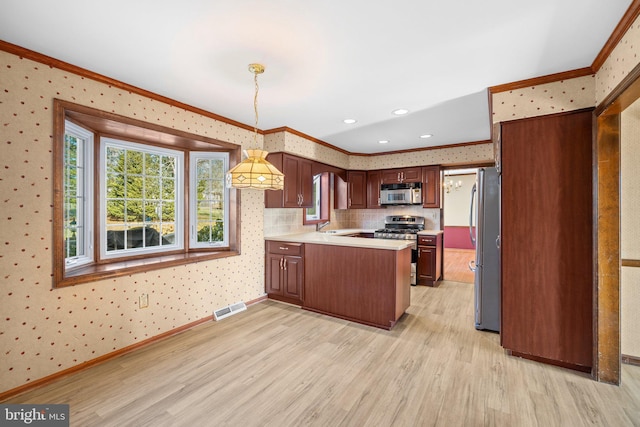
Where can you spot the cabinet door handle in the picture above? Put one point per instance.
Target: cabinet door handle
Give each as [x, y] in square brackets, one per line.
[284, 263]
[281, 263]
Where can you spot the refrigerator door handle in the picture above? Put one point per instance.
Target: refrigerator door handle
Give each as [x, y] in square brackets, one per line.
[473, 239]
[498, 242]
[472, 265]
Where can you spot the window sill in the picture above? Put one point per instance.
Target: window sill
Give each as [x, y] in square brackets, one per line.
[92, 273]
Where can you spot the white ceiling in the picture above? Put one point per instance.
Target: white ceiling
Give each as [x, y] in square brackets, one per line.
[325, 60]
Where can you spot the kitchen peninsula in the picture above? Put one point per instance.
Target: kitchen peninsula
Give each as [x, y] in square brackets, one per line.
[359, 279]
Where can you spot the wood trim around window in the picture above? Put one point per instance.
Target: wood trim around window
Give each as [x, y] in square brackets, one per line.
[104, 123]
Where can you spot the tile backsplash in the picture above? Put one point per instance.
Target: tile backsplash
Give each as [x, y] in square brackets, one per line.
[289, 221]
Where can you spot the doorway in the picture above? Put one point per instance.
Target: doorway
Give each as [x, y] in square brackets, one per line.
[610, 292]
[459, 250]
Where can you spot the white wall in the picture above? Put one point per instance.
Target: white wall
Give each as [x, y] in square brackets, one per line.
[456, 202]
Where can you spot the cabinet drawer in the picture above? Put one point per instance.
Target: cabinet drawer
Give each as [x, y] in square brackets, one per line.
[284, 248]
[427, 240]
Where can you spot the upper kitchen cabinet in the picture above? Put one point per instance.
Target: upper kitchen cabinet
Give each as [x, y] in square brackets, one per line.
[351, 194]
[298, 182]
[431, 188]
[546, 239]
[395, 176]
[374, 179]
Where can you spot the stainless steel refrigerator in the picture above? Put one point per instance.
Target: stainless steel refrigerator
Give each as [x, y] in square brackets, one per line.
[486, 239]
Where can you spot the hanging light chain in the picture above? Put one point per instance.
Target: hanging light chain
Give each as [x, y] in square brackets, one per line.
[256, 69]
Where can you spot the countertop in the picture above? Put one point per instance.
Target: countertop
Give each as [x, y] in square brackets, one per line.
[430, 232]
[340, 238]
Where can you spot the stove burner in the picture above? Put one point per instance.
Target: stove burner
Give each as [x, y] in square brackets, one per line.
[401, 227]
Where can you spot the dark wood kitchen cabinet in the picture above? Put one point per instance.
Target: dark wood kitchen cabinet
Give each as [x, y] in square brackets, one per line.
[431, 188]
[546, 241]
[351, 194]
[298, 182]
[429, 266]
[374, 179]
[284, 271]
[396, 176]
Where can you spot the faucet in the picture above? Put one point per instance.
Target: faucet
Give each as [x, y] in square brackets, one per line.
[320, 226]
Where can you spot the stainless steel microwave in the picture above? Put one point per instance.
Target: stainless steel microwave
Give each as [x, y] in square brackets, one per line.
[407, 193]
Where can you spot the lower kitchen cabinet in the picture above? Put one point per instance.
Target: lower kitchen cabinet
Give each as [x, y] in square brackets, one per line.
[429, 268]
[284, 271]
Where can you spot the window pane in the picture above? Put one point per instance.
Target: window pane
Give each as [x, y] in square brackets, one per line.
[210, 231]
[210, 194]
[134, 211]
[134, 187]
[152, 188]
[142, 199]
[133, 162]
[168, 189]
[168, 167]
[77, 176]
[152, 211]
[115, 159]
[168, 211]
[115, 185]
[115, 211]
[152, 164]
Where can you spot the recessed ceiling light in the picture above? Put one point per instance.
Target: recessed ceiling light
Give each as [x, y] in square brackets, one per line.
[383, 141]
[400, 111]
[349, 121]
[426, 135]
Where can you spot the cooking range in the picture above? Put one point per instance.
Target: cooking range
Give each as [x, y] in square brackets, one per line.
[403, 227]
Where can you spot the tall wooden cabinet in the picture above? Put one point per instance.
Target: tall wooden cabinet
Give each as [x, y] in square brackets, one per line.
[546, 239]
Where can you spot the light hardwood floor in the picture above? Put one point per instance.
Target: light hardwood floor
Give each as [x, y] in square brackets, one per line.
[456, 264]
[278, 365]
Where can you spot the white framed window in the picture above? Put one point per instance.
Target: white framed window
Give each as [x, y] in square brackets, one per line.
[314, 213]
[210, 200]
[78, 196]
[141, 202]
[127, 199]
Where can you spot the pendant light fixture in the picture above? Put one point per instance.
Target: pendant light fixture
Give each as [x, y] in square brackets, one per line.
[255, 171]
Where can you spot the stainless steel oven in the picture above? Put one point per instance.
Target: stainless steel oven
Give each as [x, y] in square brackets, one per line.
[403, 227]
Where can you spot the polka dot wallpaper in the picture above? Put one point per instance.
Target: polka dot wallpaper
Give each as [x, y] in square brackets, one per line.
[619, 64]
[549, 98]
[45, 330]
[291, 143]
[443, 156]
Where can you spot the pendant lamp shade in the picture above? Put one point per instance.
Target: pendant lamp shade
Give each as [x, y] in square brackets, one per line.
[255, 172]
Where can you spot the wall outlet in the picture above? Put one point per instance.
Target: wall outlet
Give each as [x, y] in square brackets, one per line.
[143, 301]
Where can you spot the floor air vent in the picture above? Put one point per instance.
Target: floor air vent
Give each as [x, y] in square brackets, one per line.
[229, 310]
